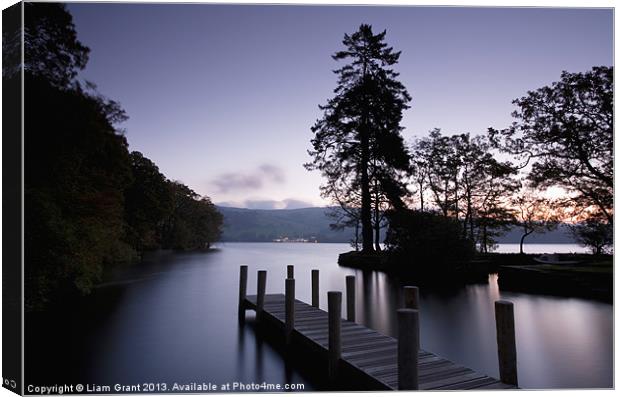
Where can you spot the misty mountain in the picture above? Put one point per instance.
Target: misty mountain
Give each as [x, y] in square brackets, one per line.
[246, 225]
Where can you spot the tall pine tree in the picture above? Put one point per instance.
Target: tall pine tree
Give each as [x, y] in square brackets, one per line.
[358, 139]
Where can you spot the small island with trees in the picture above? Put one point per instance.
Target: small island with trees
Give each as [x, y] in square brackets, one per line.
[445, 199]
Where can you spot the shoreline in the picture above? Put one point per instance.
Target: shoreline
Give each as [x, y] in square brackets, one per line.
[591, 277]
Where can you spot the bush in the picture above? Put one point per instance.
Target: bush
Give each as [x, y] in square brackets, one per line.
[426, 241]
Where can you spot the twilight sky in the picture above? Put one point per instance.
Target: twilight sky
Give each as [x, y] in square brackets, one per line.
[222, 97]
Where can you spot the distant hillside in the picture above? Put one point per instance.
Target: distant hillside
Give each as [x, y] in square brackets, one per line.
[245, 225]
[559, 236]
[241, 224]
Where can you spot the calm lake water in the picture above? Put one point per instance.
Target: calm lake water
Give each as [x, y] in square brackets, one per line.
[543, 248]
[175, 320]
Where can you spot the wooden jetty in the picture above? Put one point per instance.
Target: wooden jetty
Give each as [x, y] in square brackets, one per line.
[377, 361]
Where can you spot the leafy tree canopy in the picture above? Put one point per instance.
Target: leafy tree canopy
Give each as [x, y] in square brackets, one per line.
[51, 47]
[565, 131]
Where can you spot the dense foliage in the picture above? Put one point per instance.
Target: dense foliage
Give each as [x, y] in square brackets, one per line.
[426, 241]
[89, 203]
[461, 177]
[596, 234]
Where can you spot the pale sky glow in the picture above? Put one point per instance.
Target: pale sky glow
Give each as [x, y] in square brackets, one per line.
[222, 97]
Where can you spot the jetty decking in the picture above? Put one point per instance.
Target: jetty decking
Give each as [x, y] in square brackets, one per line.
[371, 356]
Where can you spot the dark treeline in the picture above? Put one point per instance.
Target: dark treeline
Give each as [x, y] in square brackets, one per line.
[89, 203]
[445, 196]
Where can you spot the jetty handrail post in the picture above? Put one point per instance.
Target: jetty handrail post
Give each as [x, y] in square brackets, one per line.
[290, 271]
[260, 292]
[289, 303]
[506, 345]
[350, 284]
[408, 348]
[412, 297]
[243, 288]
[334, 309]
[412, 301]
[315, 288]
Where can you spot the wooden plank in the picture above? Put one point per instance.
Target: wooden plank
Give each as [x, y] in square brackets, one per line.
[374, 360]
[498, 385]
[349, 331]
[355, 340]
[450, 371]
[313, 327]
[393, 368]
[354, 345]
[450, 381]
[474, 384]
[369, 351]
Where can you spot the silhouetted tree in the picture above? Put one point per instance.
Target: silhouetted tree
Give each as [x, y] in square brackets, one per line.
[565, 131]
[533, 214]
[89, 204]
[465, 182]
[51, 48]
[358, 139]
[76, 165]
[595, 233]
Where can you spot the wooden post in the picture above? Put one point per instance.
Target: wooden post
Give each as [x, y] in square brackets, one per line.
[315, 288]
[334, 309]
[290, 271]
[408, 337]
[506, 345]
[412, 301]
[260, 292]
[243, 288]
[412, 297]
[289, 308]
[350, 284]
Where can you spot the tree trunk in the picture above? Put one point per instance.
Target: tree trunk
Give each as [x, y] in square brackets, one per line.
[421, 197]
[366, 212]
[377, 238]
[522, 239]
[357, 235]
[377, 215]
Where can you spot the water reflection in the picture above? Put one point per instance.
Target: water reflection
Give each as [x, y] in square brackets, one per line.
[175, 320]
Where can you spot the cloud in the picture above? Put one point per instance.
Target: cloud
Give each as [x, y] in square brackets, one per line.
[259, 204]
[292, 204]
[253, 180]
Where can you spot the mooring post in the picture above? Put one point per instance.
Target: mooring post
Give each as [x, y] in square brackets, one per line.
[506, 345]
[408, 347]
[412, 297]
[334, 309]
[243, 288]
[315, 288]
[289, 308]
[350, 284]
[290, 271]
[260, 292]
